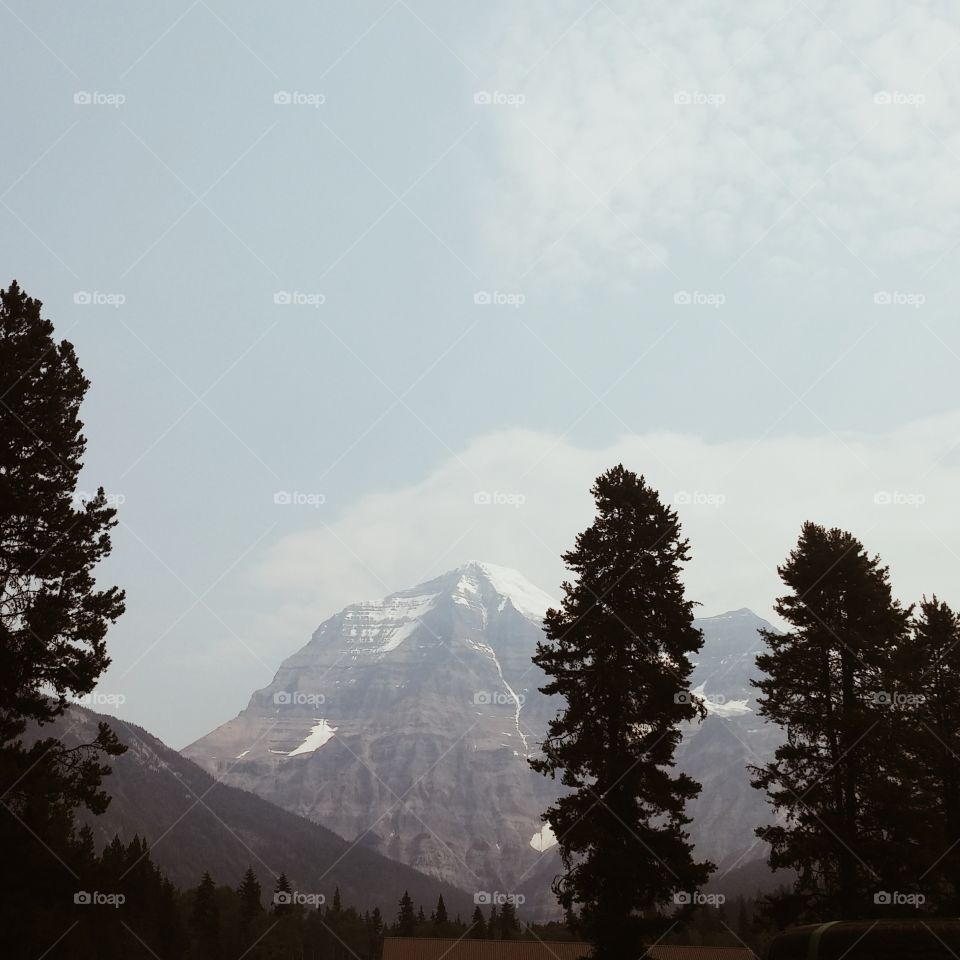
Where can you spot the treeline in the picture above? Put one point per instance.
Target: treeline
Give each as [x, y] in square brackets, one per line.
[865, 786]
[117, 904]
[867, 782]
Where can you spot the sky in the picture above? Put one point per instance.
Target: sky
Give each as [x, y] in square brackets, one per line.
[341, 273]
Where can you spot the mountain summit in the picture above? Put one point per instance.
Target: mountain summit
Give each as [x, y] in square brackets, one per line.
[406, 723]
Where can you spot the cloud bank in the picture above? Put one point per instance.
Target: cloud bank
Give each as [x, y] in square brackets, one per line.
[519, 497]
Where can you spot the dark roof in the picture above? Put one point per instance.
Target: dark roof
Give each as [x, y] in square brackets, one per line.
[443, 948]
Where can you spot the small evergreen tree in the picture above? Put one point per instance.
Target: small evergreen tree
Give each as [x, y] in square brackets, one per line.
[618, 653]
[205, 918]
[282, 895]
[336, 900]
[249, 894]
[508, 921]
[478, 925]
[440, 914]
[406, 918]
[493, 923]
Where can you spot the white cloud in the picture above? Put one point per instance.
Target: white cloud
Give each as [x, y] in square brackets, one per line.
[741, 503]
[813, 131]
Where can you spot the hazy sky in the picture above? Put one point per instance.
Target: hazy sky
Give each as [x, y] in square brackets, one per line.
[716, 241]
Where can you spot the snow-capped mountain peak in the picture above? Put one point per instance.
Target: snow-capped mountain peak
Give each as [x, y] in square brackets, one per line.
[511, 585]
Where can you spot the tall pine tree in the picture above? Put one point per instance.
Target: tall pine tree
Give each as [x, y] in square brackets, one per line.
[205, 918]
[249, 894]
[53, 619]
[478, 925]
[406, 918]
[618, 653]
[830, 682]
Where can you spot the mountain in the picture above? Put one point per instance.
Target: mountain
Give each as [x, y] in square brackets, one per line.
[407, 723]
[717, 751]
[195, 823]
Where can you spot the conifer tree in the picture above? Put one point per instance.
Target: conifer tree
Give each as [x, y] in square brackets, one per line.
[249, 894]
[618, 653]
[440, 914]
[282, 895]
[53, 619]
[493, 923]
[205, 918]
[828, 683]
[478, 925]
[336, 900]
[508, 921]
[406, 919]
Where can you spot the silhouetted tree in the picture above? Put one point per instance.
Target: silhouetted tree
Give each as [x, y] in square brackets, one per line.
[53, 619]
[508, 921]
[205, 918]
[282, 895]
[618, 653]
[478, 925]
[827, 682]
[249, 893]
[406, 919]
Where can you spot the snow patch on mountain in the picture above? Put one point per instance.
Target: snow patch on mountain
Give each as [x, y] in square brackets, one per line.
[518, 703]
[381, 626]
[320, 733]
[543, 839]
[719, 707]
[529, 600]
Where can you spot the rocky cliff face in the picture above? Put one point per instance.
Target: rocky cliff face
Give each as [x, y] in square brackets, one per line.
[406, 724]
